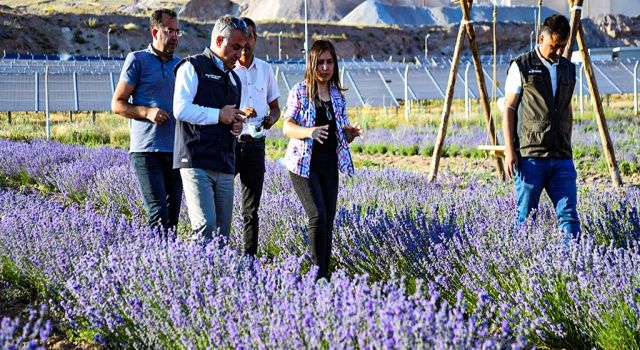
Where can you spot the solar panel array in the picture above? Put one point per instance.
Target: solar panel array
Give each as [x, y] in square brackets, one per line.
[88, 85]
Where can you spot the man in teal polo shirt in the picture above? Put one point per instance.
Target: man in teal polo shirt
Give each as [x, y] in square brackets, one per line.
[148, 79]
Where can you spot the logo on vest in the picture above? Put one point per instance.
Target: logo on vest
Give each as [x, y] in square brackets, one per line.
[184, 160]
[535, 71]
[212, 76]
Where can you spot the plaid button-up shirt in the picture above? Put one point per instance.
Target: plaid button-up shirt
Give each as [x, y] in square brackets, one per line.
[302, 111]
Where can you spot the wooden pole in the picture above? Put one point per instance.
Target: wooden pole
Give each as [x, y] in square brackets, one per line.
[9, 117]
[539, 17]
[605, 138]
[575, 24]
[494, 90]
[475, 53]
[446, 109]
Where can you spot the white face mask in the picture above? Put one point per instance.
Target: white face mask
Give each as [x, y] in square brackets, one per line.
[256, 131]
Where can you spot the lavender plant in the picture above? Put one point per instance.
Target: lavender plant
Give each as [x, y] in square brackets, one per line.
[135, 287]
[457, 235]
[33, 334]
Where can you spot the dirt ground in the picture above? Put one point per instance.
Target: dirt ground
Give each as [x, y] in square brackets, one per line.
[483, 168]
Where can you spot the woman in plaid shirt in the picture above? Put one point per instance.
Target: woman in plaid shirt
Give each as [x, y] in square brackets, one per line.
[316, 123]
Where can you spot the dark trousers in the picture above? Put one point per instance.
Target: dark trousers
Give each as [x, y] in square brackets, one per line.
[319, 194]
[160, 185]
[250, 165]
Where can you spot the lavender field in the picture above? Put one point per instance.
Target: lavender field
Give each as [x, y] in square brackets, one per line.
[417, 265]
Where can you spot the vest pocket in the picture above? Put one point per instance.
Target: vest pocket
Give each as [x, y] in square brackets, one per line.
[536, 126]
[534, 81]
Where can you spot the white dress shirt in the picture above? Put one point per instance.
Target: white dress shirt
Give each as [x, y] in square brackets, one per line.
[185, 91]
[259, 88]
[514, 80]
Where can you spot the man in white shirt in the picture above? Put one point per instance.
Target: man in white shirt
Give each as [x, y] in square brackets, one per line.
[206, 101]
[537, 123]
[260, 95]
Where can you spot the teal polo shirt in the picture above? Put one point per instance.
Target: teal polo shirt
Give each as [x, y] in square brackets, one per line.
[154, 82]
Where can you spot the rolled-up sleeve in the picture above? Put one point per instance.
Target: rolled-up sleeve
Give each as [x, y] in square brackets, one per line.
[185, 91]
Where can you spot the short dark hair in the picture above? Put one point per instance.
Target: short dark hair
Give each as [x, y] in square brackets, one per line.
[156, 16]
[558, 25]
[249, 22]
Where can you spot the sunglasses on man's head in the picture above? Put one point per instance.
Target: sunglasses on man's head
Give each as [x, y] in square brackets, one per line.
[237, 23]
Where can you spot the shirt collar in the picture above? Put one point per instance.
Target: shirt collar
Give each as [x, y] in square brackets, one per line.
[152, 51]
[252, 65]
[544, 60]
[218, 62]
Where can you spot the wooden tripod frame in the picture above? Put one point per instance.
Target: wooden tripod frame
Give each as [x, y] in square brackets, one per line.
[466, 26]
[577, 33]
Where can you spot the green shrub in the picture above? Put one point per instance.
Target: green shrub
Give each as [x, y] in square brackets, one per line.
[452, 151]
[427, 150]
[91, 23]
[579, 151]
[381, 149]
[356, 148]
[78, 38]
[594, 151]
[629, 168]
[130, 26]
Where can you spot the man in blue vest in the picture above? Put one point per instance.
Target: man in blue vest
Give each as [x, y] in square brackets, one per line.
[147, 77]
[206, 102]
[537, 126]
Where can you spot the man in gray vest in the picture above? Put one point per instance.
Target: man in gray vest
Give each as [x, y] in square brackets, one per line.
[147, 77]
[206, 102]
[537, 126]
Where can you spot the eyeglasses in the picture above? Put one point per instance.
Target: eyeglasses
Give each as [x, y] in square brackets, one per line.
[170, 32]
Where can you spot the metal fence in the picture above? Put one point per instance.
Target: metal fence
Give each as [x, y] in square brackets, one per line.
[87, 85]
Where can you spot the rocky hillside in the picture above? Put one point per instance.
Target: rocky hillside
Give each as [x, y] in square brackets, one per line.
[325, 11]
[86, 34]
[620, 27]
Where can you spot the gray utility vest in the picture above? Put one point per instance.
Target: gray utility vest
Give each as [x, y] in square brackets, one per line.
[543, 123]
[208, 146]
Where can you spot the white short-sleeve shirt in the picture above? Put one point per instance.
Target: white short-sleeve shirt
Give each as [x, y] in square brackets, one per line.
[259, 88]
[514, 80]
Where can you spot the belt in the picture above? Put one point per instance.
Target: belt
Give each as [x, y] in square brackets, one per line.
[246, 138]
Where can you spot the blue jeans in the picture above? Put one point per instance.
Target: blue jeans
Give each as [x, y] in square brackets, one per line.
[209, 196]
[160, 186]
[558, 178]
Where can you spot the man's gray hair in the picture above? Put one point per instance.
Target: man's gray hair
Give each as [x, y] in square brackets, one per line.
[226, 24]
